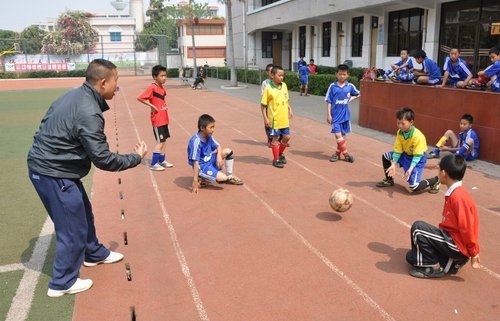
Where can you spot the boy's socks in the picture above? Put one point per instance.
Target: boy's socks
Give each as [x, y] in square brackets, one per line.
[275, 147]
[465, 147]
[342, 146]
[156, 157]
[282, 148]
[386, 164]
[229, 166]
[426, 183]
[441, 142]
[161, 159]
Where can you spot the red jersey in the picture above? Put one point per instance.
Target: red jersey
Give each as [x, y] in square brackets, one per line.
[312, 68]
[156, 95]
[460, 219]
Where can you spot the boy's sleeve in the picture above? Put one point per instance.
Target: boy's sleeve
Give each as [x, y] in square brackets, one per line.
[468, 225]
[194, 151]
[146, 94]
[493, 70]
[264, 99]
[354, 90]
[329, 94]
[398, 147]
[214, 144]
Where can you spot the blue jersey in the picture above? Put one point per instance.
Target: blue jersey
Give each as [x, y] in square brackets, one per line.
[494, 70]
[431, 68]
[464, 136]
[201, 151]
[339, 98]
[458, 71]
[408, 62]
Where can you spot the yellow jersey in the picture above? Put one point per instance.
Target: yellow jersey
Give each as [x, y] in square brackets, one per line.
[276, 100]
[411, 143]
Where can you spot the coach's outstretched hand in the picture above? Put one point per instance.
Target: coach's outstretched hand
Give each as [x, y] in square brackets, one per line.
[141, 148]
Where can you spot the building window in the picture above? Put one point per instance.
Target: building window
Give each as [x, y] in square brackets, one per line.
[466, 24]
[302, 41]
[267, 2]
[327, 39]
[267, 44]
[405, 30]
[205, 30]
[115, 36]
[207, 52]
[357, 37]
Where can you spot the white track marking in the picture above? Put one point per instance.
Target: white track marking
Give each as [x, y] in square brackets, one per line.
[21, 303]
[11, 267]
[378, 209]
[173, 235]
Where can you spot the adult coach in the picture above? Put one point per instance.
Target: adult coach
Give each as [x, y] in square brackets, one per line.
[70, 138]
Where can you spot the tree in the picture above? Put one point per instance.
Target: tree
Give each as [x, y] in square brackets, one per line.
[7, 39]
[73, 35]
[230, 43]
[31, 40]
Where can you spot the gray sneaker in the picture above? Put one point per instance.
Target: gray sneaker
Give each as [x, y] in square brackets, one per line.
[435, 188]
[386, 182]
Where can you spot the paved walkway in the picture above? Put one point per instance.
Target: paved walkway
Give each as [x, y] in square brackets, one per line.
[313, 107]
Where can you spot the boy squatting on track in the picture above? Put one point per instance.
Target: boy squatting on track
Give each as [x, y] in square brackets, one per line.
[466, 145]
[154, 97]
[70, 138]
[276, 111]
[338, 114]
[207, 158]
[436, 251]
[409, 152]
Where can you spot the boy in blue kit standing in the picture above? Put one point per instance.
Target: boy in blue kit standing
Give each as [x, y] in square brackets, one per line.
[304, 72]
[207, 158]
[337, 98]
[409, 152]
[401, 70]
[430, 73]
[493, 71]
[466, 145]
[154, 97]
[276, 111]
[455, 70]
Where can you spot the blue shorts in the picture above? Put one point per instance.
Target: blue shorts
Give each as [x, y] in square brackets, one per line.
[434, 81]
[209, 169]
[495, 86]
[276, 132]
[304, 81]
[343, 128]
[416, 175]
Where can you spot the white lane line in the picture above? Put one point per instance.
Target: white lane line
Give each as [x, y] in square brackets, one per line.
[371, 302]
[21, 303]
[173, 235]
[11, 267]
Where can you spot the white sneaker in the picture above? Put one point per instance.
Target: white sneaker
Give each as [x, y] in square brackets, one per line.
[166, 164]
[113, 257]
[79, 286]
[157, 167]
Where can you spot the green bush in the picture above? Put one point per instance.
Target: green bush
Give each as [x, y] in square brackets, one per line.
[8, 75]
[172, 72]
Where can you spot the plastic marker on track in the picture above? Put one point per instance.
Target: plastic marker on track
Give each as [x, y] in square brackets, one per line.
[128, 272]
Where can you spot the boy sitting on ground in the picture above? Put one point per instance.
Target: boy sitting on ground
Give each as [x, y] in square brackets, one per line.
[207, 158]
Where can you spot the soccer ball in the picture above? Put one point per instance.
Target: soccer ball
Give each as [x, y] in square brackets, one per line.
[341, 200]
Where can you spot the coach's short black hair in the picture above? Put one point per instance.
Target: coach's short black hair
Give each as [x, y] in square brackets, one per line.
[98, 69]
[269, 67]
[342, 67]
[405, 113]
[468, 117]
[454, 165]
[419, 53]
[155, 71]
[205, 120]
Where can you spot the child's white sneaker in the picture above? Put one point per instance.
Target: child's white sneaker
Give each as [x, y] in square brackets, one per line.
[166, 164]
[157, 167]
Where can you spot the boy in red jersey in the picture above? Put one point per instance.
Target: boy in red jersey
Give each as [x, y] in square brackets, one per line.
[154, 97]
[436, 251]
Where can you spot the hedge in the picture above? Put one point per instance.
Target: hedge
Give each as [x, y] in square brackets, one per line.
[43, 74]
